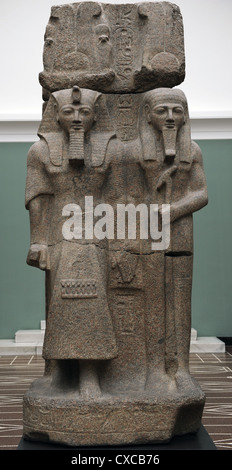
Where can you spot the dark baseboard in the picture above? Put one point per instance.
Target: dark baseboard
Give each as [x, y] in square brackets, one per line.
[226, 339]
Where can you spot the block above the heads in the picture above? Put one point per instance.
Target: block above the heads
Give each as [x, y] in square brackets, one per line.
[113, 48]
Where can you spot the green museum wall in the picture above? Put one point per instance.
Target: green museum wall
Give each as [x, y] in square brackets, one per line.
[22, 287]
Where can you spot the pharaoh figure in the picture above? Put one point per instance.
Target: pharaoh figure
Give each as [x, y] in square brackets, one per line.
[69, 162]
[174, 175]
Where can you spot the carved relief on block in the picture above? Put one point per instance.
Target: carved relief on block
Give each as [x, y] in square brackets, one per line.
[113, 47]
[126, 271]
[124, 309]
[126, 118]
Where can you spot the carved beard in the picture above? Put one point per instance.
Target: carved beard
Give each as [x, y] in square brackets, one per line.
[169, 142]
[76, 145]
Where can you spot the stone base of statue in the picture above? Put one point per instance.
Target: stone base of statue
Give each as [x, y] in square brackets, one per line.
[155, 416]
[191, 442]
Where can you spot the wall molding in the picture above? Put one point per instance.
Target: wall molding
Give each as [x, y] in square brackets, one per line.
[19, 127]
[204, 126]
[211, 127]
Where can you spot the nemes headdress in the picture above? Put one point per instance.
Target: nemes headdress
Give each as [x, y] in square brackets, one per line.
[51, 131]
[148, 136]
[76, 95]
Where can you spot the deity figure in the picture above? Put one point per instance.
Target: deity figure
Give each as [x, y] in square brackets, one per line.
[69, 162]
[153, 287]
[174, 175]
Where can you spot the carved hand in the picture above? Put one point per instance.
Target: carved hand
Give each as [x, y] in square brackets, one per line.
[162, 212]
[38, 256]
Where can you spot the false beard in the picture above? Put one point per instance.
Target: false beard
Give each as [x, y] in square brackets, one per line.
[169, 142]
[76, 145]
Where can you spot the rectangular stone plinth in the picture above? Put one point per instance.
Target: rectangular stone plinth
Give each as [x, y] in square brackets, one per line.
[109, 420]
[197, 441]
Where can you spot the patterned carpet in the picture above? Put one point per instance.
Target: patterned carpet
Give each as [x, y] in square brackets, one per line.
[213, 372]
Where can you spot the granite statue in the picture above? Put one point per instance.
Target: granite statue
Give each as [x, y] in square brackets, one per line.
[114, 156]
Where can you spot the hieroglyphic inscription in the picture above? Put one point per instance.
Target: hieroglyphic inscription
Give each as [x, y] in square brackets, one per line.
[125, 314]
[124, 45]
[78, 288]
[126, 118]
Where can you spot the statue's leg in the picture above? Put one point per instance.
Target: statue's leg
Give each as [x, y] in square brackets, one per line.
[88, 379]
[82, 376]
[182, 277]
[170, 326]
[154, 274]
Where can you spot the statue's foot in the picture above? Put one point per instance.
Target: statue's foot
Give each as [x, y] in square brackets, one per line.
[89, 392]
[159, 382]
[186, 383]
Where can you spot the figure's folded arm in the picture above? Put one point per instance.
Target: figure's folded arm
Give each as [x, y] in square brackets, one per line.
[196, 195]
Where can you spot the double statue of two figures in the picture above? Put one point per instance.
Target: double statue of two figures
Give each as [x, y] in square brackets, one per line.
[118, 306]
